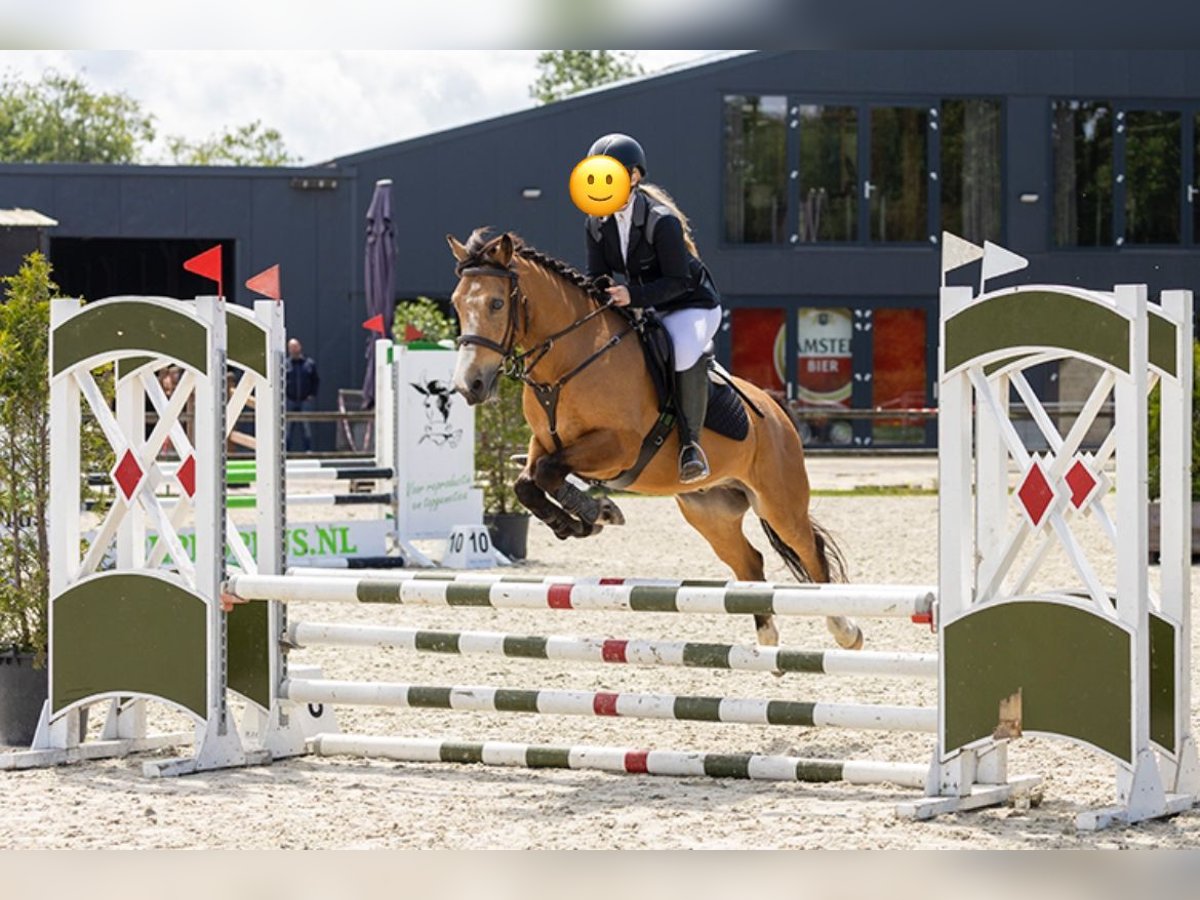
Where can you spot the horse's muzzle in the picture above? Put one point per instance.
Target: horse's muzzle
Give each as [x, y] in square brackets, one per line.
[478, 386]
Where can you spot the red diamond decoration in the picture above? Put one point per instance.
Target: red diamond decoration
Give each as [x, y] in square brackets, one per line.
[1035, 494]
[128, 475]
[186, 475]
[1082, 482]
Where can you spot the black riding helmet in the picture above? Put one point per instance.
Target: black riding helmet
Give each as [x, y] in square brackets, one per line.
[623, 149]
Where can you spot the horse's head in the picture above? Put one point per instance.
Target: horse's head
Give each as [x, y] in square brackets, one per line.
[487, 302]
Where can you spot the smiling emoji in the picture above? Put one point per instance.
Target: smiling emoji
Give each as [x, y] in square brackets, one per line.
[599, 185]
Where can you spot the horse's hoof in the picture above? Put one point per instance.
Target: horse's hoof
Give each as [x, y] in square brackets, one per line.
[857, 643]
[610, 513]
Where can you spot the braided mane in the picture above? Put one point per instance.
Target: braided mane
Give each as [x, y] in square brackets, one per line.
[481, 243]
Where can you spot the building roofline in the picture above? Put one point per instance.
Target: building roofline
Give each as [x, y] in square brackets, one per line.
[321, 170]
[632, 85]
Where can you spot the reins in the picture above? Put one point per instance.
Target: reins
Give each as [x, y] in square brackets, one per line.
[519, 364]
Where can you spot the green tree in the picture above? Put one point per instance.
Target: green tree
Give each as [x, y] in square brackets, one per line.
[25, 455]
[58, 119]
[565, 72]
[242, 145]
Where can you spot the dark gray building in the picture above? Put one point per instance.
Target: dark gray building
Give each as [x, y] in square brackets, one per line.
[818, 183]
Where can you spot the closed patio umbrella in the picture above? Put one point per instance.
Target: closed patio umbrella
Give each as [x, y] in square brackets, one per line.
[380, 271]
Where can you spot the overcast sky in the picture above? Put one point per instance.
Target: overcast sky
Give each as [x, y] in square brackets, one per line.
[325, 103]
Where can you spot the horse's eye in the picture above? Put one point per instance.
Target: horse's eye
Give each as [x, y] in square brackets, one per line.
[498, 303]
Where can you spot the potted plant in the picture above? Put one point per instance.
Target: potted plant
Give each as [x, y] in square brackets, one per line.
[500, 433]
[1156, 463]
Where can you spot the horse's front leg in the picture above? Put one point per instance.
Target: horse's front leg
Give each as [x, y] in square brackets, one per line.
[551, 472]
[535, 500]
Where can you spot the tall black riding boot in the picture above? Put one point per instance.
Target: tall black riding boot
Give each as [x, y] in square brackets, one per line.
[692, 393]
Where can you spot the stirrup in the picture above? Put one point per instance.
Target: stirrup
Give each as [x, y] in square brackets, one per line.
[695, 468]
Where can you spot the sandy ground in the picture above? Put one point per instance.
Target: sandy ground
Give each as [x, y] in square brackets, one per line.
[345, 803]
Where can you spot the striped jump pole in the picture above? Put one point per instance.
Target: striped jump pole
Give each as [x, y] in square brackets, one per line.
[602, 703]
[314, 473]
[342, 563]
[753, 766]
[732, 598]
[742, 658]
[251, 501]
[304, 464]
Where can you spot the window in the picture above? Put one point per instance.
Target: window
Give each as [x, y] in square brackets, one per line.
[1082, 135]
[970, 169]
[1153, 174]
[899, 181]
[828, 173]
[756, 176]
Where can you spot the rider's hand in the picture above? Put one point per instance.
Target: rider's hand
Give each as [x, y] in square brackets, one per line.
[619, 295]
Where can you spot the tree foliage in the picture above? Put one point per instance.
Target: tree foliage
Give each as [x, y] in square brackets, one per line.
[565, 72]
[25, 455]
[59, 119]
[243, 145]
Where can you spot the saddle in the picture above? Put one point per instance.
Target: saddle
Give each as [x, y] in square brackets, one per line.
[726, 413]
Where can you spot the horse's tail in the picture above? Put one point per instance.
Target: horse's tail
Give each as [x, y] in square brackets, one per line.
[829, 553]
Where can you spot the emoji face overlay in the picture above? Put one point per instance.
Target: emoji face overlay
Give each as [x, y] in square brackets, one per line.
[599, 185]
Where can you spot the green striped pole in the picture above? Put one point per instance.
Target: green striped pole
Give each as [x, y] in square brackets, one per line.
[250, 501]
[374, 473]
[603, 703]
[611, 595]
[744, 658]
[754, 766]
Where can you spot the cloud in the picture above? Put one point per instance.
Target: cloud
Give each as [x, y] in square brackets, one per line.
[324, 103]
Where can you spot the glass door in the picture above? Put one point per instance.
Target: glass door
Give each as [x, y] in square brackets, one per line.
[895, 198]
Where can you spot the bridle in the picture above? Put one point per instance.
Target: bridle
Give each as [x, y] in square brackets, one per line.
[516, 304]
[520, 365]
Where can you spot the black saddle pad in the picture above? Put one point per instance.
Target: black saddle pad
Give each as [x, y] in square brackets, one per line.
[726, 411]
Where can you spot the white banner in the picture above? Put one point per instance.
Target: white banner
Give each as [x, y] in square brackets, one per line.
[435, 446]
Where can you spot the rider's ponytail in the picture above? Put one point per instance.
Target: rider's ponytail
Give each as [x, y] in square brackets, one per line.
[658, 195]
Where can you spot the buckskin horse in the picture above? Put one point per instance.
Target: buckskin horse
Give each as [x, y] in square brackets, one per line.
[591, 403]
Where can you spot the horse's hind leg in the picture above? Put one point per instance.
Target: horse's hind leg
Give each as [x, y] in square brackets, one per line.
[793, 535]
[717, 514]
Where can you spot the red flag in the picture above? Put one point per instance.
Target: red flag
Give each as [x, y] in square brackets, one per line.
[375, 323]
[266, 283]
[208, 265]
[412, 334]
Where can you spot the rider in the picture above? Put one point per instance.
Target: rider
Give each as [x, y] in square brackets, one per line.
[647, 245]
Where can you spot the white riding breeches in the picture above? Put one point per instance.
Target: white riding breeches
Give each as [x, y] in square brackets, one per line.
[691, 331]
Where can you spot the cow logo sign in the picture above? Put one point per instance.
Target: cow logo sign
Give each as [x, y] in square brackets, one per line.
[438, 396]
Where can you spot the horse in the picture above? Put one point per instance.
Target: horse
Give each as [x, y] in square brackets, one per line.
[590, 402]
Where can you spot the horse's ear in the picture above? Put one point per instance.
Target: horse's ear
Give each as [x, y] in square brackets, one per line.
[459, 251]
[504, 249]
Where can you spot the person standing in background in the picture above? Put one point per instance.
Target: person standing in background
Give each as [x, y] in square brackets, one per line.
[303, 382]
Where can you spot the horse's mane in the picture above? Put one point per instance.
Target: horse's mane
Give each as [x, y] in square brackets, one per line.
[479, 244]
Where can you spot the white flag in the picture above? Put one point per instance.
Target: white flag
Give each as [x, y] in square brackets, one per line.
[957, 252]
[997, 261]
